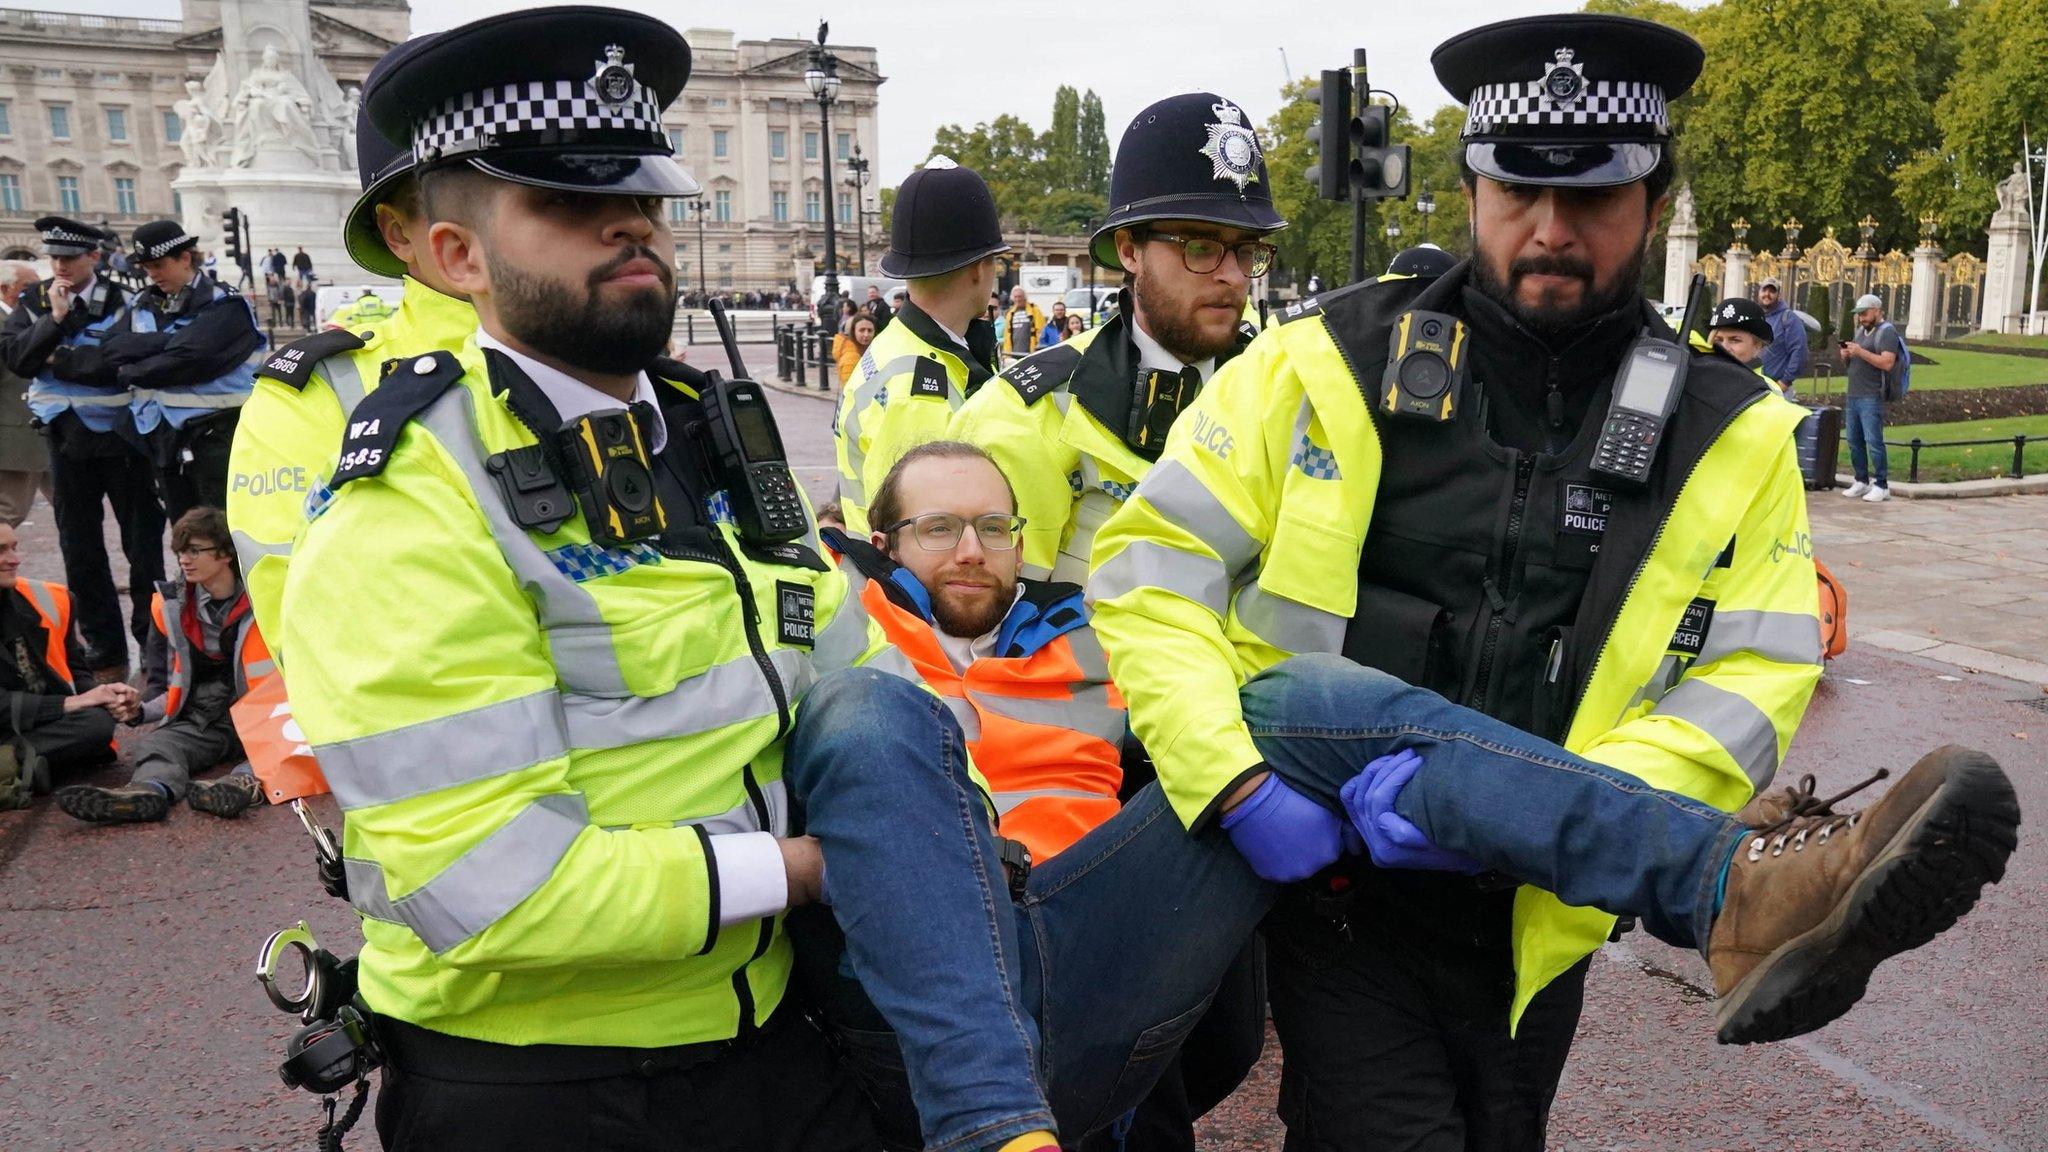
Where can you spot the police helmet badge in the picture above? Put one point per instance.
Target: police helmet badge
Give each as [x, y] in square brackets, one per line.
[1728, 311]
[1232, 147]
[1564, 83]
[613, 80]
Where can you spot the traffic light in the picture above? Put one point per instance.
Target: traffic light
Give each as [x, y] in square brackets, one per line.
[1363, 159]
[231, 235]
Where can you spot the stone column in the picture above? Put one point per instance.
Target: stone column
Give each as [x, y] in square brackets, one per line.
[1735, 274]
[2005, 263]
[1681, 247]
[1923, 313]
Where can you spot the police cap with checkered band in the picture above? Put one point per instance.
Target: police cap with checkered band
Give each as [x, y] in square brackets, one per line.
[158, 239]
[63, 236]
[567, 98]
[1579, 99]
[1195, 156]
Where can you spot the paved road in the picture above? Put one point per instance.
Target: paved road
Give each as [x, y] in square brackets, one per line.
[129, 1018]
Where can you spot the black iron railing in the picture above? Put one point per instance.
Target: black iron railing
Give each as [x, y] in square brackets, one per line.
[2018, 442]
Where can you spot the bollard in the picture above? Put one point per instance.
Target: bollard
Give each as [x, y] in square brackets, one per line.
[690, 328]
[1913, 469]
[800, 358]
[2019, 456]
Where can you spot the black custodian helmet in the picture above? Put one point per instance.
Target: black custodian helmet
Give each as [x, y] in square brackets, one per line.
[1189, 157]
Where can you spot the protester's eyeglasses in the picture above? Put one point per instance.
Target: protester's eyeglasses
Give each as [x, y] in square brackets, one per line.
[1204, 254]
[201, 550]
[942, 531]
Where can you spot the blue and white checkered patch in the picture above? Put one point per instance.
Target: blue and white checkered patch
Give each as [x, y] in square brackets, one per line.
[1075, 482]
[1121, 492]
[317, 501]
[718, 506]
[580, 562]
[1315, 462]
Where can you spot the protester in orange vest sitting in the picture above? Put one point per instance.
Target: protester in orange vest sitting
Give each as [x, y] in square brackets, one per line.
[40, 703]
[1019, 667]
[203, 656]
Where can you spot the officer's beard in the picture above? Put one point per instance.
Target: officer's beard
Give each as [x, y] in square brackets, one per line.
[1169, 320]
[1547, 319]
[977, 617]
[587, 331]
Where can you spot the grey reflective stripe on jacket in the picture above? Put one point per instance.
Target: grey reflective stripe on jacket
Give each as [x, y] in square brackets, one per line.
[1092, 509]
[1088, 711]
[484, 883]
[1005, 801]
[46, 604]
[1730, 720]
[872, 384]
[181, 398]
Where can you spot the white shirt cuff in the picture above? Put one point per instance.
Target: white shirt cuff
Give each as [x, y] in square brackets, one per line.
[751, 880]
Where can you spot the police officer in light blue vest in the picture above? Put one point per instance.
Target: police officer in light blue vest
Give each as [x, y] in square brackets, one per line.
[57, 339]
[186, 356]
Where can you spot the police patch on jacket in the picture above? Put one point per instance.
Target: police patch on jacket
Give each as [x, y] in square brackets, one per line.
[928, 378]
[1584, 511]
[796, 607]
[293, 364]
[1691, 636]
[409, 386]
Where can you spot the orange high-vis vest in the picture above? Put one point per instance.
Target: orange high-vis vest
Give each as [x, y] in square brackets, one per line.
[241, 643]
[1043, 723]
[53, 603]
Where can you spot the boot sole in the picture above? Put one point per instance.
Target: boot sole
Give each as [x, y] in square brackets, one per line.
[1927, 877]
[97, 807]
[219, 802]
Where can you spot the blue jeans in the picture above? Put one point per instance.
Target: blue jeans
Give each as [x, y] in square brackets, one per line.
[1069, 1001]
[1863, 420]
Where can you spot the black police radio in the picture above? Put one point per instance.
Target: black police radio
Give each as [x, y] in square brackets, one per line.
[1646, 392]
[747, 451]
[1426, 361]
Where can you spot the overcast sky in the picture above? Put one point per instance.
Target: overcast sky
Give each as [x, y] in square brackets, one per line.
[957, 61]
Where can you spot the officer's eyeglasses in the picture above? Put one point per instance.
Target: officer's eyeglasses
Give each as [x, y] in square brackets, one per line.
[1204, 254]
[942, 531]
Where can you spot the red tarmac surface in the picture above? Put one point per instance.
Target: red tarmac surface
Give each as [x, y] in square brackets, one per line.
[130, 1019]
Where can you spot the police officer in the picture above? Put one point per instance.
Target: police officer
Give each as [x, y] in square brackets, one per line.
[284, 449]
[1076, 426]
[939, 349]
[185, 355]
[1473, 549]
[560, 747]
[1739, 327]
[54, 338]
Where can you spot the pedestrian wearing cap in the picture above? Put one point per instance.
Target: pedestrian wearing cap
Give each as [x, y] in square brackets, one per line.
[1785, 359]
[938, 349]
[1474, 553]
[1739, 327]
[184, 355]
[54, 338]
[1076, 427]
[285, 447]
[1871, 354]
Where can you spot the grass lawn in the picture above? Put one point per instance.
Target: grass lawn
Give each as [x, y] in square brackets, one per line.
[1942, 464]
[1958, 370]
[2005, 340]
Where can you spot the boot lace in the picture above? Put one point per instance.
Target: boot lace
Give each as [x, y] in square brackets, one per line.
[1808, 817]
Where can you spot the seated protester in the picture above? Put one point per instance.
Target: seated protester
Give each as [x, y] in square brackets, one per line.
[1020, 669]
[197, 667]
[40, 703]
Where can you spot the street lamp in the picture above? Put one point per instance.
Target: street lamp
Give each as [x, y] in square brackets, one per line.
[857, 174]
[1425, 206]
[822, 78]
[1393, 228]
[697, 210]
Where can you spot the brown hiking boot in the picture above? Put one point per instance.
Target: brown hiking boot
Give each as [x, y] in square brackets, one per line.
[227, 797]
[1817, 900]
[128, 804]
[1770, 809]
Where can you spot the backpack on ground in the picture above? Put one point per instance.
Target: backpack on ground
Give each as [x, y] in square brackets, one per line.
[1899, 380]
[1834, 613]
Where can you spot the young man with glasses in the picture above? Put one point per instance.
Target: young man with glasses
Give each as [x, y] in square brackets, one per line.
[204, 655]
[1077, 425]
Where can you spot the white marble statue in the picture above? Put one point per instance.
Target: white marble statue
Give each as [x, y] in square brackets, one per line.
[1682, 208]
[199, 121]
[272, 104]
[2012, 192]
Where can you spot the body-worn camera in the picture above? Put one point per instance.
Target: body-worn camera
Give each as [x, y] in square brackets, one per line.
[1425, 366]
[610, 472]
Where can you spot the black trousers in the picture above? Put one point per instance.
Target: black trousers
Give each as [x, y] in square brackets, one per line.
[89, 470]
[192, 462]
[74, 742]
[779, 1091]
[1396, 1039]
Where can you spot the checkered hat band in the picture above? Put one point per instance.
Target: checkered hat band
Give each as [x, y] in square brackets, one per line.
[64, 236]
[1618, 102]
[158, 251]
[538, 111]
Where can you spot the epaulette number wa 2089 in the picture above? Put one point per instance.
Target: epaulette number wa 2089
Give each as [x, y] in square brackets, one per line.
[293, 364]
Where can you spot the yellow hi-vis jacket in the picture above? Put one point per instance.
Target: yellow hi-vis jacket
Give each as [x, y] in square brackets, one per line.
[1242, 547]
[909, 382]
[536, 739]
[291, 428]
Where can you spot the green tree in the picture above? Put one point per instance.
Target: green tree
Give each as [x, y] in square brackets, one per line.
[1094, 141]
[1996, 86]
[1063, 140]
[1806, 110]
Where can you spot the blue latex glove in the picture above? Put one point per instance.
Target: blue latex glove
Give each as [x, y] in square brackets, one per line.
[1389, 838]
[1284, 835]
